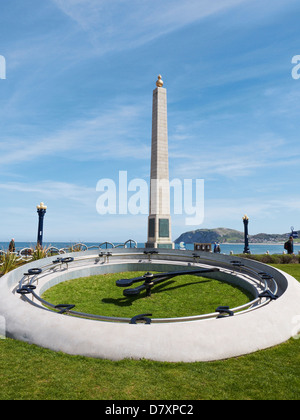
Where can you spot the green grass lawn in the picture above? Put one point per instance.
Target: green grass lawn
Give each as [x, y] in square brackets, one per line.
[292, 269]
[29, 372]
[177, 297]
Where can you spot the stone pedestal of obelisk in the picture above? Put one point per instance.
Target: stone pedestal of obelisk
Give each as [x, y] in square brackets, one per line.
[159, 220]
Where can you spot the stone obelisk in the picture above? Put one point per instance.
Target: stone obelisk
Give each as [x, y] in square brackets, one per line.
[159, 220]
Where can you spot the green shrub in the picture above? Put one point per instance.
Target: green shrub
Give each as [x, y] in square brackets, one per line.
[8, 262]
[273, 258]
[39, 252]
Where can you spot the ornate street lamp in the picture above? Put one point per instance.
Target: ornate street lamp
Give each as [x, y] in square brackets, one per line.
[246, 239]
[41, 210]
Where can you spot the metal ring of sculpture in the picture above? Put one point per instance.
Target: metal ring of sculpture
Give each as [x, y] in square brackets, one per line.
[27, 253]
[53, 250]
[265, 321]
[107, 245]
[80, 247]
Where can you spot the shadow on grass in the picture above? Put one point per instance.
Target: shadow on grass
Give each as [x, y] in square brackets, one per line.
[128, 301]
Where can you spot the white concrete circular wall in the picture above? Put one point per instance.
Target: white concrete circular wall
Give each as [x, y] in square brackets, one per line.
[267, 323]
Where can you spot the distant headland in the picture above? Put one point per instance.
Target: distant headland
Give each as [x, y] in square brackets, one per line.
[225, 235]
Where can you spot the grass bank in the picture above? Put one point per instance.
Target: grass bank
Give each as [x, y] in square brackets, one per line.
[28, 372]
[32, 373]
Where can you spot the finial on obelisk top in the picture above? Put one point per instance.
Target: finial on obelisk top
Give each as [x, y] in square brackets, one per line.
[159, 82]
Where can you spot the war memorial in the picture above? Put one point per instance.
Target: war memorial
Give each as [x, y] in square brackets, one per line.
[265, 321]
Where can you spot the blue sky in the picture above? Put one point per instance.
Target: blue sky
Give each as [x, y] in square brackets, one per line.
[76, 108]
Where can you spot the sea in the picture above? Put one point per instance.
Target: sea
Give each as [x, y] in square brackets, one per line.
[225, 248]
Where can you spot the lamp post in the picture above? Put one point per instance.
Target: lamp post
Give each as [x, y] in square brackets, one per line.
[246, 240]
[41, 210]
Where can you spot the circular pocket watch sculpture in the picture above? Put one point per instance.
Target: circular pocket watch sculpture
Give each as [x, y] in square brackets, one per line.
[266, 320]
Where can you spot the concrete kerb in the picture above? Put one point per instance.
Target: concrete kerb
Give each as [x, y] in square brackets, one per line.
[201, 340]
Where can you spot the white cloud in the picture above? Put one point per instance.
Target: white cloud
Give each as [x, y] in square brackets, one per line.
[71, 214]
[114, 133]
[50, 190]
[124, 24]
[265, 215]
[217, 158]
